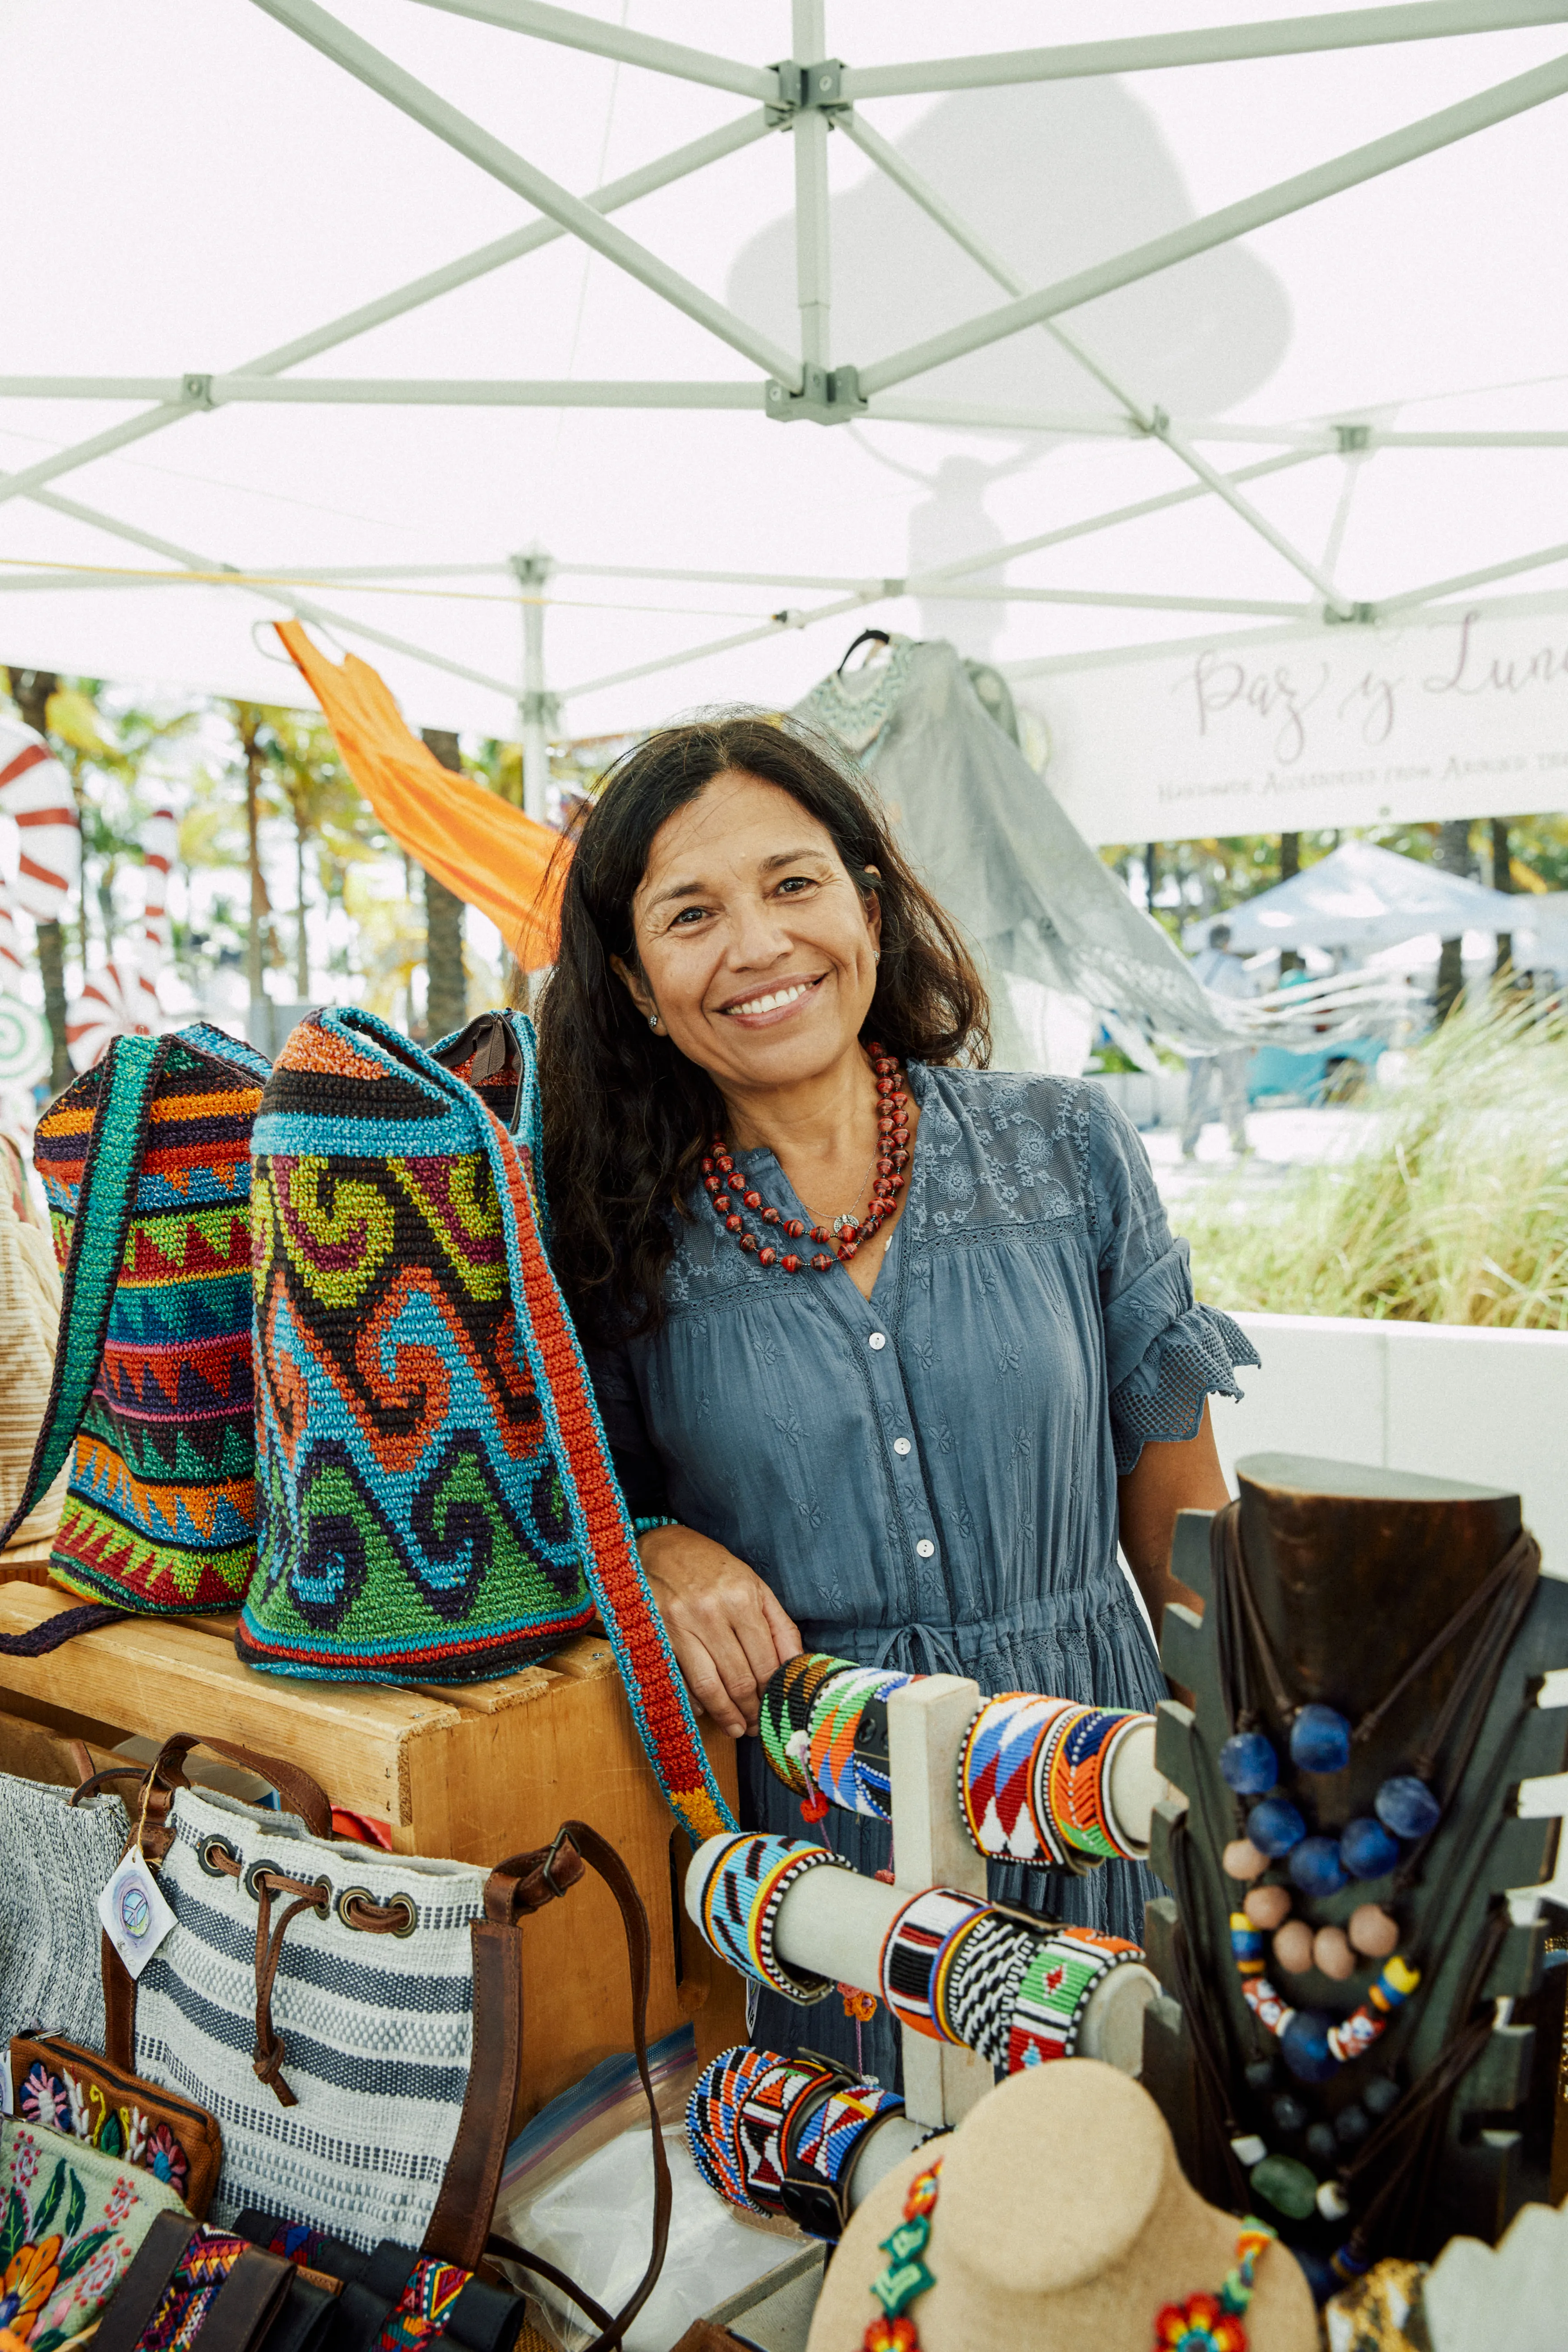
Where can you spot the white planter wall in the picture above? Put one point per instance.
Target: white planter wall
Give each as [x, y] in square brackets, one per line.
[1489, 1407]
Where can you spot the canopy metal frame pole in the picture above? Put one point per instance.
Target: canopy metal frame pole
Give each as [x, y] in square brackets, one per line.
[1411, 597]
[619, 41]
[813, 258]
[298, 605]
[1144, 416]
[695, 156]
[457, 131]
[1288, 36]
[537, 707]
[1426, 137]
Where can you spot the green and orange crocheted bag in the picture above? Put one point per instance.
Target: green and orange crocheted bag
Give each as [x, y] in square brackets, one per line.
[435, 1501]
[145, 1160]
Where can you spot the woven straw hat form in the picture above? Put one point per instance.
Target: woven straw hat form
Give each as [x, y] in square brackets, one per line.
[1063, 2221]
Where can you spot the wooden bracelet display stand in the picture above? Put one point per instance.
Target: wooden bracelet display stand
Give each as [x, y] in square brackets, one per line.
[471, 1771]
[1355, 1572]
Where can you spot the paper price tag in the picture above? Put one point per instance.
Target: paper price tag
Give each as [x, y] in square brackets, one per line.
[134, 1914]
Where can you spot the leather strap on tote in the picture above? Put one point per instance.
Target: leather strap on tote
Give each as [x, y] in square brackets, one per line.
[458, 2231]
[301, 1795]
[104, 1206]
[246, 2303]
[135, 2300]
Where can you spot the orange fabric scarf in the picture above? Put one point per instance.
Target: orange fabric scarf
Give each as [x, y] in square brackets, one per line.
[509, 866]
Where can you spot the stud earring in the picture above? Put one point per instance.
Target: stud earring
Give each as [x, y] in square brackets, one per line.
[653, 1021]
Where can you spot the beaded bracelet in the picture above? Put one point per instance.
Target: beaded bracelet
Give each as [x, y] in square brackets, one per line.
[1064, 1970]
[1079, 1780]
[1033, 1781]
[778, 2135]
[747, 1884]
[784, 1717]
[997, 1770]
[769, 2107]
[982, 1968]
[646, 1527]
[833, 1761]
[711, 2112]
[912, 1947]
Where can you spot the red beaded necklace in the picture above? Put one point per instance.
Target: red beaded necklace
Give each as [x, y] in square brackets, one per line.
[726, 1186]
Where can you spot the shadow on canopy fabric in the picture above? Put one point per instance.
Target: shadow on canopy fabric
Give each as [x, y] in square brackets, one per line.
[506, 864]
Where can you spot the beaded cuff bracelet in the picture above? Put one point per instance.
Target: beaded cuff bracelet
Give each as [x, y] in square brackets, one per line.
[912, 1949]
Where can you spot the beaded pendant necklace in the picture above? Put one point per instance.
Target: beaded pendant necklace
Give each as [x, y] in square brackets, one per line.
[731, 1196]
[1390, 1840]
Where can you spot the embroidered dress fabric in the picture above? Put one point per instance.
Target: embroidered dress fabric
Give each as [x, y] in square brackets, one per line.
[928, 1479]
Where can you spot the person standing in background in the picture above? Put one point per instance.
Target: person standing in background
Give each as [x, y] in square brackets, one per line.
[1217, 1082]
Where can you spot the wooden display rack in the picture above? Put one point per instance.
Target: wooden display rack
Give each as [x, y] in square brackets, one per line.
[471, 1771]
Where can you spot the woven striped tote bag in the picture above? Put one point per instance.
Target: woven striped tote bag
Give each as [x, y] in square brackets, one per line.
[434, 1501]
[146, 1164]
[353, 2019]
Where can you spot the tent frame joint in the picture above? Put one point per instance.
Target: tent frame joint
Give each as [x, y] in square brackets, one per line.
[1351, 438]
[197, 392]
[827, 397]
[1353, 617]
[808, 89]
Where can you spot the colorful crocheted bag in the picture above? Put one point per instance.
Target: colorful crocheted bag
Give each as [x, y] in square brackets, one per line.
[146, 1164]
[434, 1501]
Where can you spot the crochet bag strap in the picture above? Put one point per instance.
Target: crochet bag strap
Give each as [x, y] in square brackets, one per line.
[606, 1543]
[103, 1211]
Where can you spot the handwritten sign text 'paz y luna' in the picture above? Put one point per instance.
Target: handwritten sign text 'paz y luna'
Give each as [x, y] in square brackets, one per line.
[1456, 712]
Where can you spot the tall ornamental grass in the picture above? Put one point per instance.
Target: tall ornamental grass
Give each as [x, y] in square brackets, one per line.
[1457, 1212]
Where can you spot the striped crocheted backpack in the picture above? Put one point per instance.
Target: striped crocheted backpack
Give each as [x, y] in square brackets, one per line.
[435, 1501]
[146, 1164]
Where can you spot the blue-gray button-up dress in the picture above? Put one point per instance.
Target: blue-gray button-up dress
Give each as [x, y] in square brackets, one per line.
[927, 1478]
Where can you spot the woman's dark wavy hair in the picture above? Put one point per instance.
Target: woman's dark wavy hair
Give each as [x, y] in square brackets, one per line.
[627, 1116]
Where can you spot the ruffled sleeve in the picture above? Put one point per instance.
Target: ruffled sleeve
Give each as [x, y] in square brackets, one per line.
[1165, 1353]
[632, 1454]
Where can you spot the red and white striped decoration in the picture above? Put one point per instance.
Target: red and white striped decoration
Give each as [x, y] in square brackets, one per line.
[159, 841]
[35, 791]
[114, 1003]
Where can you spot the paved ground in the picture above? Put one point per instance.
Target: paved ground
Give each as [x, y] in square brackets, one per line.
[1280, 1140]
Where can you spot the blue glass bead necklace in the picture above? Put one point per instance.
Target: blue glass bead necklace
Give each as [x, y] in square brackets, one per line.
[1389, 1841]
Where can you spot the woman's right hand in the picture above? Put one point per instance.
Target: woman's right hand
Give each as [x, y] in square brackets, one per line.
[728, 1630]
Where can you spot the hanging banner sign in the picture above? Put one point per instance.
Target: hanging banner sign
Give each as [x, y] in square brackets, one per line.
[1462, 712]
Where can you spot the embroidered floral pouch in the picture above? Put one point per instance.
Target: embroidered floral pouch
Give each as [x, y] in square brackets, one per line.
[71, 2222]
[66, 2088]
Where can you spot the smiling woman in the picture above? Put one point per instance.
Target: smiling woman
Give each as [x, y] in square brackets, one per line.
[890, 1348]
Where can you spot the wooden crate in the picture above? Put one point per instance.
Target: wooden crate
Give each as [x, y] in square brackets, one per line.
[474, 1772]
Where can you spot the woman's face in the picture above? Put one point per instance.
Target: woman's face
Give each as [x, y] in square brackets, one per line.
[758, 953]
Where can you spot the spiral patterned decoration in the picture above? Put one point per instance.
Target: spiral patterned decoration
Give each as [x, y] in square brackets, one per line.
[24, 1043]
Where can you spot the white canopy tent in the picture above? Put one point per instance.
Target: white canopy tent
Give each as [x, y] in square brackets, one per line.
[467, 329]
